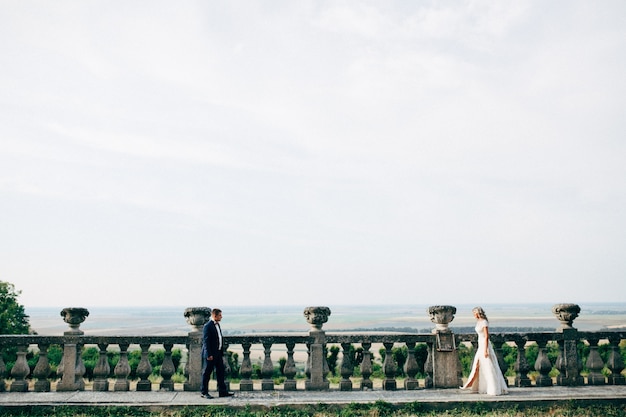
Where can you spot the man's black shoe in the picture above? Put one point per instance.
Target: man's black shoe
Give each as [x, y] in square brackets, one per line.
[226, 394]
[207, 396]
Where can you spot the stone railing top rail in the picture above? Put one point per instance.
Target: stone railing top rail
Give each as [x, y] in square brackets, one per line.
[7, 340]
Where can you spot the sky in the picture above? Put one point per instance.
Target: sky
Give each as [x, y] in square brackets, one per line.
[213, 153]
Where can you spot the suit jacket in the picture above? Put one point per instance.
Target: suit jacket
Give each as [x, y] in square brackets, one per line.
[210, 340]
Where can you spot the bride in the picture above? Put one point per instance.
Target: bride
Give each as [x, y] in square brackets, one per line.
[485, 377]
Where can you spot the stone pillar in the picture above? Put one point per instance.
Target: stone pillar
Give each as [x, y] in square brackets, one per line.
[521, 364]
[42, 369]
[102, 370]
[245, 370]
[267, 369]
[196, 317]
[411, 368]
[595, 363]
[615, 363]
[144, 369]
[347, 368]
[122, 370]
[390, 368]
[318, 367]
[543, 364]
[568, 362]
[290, 368]
[20, 371]
[71, 365]
[167, 369]
[443, 355]
[366, 367]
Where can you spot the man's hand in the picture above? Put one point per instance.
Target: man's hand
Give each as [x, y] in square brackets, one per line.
[210, 358]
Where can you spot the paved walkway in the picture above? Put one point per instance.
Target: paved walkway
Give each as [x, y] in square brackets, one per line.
[430, 399]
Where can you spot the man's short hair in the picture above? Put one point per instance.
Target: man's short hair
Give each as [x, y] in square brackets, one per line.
[216, 311]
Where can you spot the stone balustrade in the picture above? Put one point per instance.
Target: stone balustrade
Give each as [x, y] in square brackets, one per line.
[442, 366]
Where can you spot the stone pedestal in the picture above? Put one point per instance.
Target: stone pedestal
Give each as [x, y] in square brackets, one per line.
[446, 370]
[568, 363]
[443, 355]
[317, 365]
[72, 366]
[196, 317]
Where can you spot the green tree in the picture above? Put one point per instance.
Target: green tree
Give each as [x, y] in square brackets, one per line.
[331, 359]
[13, 319]
[235, 367]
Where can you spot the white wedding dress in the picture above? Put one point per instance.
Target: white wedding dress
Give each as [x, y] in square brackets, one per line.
[485, 377]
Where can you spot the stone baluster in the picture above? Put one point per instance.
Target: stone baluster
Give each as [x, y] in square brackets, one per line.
[317, 365]
[347, 368]
[390, 368]
[497, 341]
[267, 370]
[560, 364]
[20, 371]
[290, 368]
[615, 363]
[226, 360]
[122, 370]
[72, 368]
[245, 370]
[521, 364]
[429, 368]
[595, 363]
[543, 365]
[188, 385]
[366, 367]
[42, 369]
[411, 368]
[81, 370]
[167, 369]
[102, 370]
[196, 317]
[60, 372]
[307, 364]
[3, 373]
[568, 363]
[144, 369]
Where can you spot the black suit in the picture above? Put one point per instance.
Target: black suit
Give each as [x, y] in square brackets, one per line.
[211, 348]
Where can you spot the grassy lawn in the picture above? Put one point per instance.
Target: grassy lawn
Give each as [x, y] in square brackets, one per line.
[379, 409]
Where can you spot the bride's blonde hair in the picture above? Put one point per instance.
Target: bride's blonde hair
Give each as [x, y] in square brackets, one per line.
[480, 312]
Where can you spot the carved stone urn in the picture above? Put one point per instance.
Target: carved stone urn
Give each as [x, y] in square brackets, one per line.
[441, 316]
[74, 316]
[566, 314]
[197, 317]
[316, 316]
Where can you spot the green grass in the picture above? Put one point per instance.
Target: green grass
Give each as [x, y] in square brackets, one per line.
[377, 409]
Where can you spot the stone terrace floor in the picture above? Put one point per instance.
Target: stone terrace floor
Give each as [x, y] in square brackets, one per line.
[428, 399]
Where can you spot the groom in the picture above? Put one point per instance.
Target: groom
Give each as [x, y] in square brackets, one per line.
[213, 356]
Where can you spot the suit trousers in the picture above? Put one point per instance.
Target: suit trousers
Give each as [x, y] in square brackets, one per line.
[217, 365]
